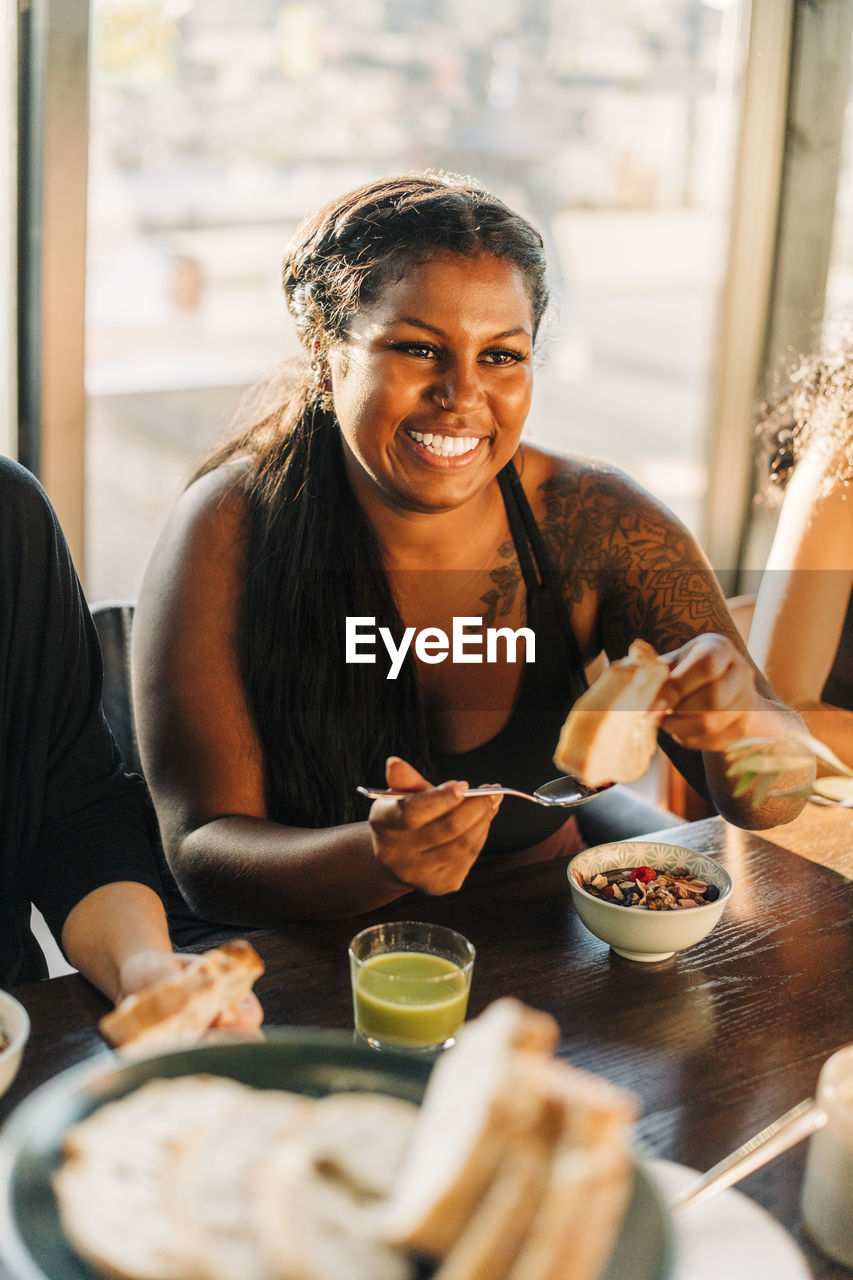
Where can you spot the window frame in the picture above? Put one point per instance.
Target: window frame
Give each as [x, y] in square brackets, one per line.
[779, 36]
[8, 225]
[51, 174]
[816, 85]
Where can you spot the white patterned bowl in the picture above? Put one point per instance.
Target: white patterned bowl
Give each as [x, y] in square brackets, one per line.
[15, 1027]
[646, 935]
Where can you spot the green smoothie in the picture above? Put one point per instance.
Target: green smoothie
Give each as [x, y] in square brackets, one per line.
[410, 998]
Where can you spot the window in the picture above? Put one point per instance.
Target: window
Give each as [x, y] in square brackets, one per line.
[215, 127]
[797, 295]
[839, 288]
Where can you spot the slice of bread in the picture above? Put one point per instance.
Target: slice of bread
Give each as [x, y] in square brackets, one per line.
[578, 1216]
[593, 1112]
[508, 1139]
[475, 1101]
[114, 1187]
[360, 1139]
[178, 1009]
[308, 1230]
[314, 1197]
[494, 1234]
[213, 1179]
[610, 734]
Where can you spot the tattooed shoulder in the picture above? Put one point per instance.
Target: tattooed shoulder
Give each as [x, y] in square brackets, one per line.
[607, 536]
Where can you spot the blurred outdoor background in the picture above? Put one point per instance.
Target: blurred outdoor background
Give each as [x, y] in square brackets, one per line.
[214, 127]
[689, 162]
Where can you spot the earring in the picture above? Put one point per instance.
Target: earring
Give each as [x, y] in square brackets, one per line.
[321, 377]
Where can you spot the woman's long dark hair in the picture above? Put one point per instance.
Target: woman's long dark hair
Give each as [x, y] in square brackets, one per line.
[312, 559]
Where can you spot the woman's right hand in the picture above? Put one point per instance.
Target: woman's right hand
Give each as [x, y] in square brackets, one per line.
[430, 839]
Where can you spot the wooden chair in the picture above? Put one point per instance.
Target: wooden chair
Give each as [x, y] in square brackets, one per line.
[113, 621]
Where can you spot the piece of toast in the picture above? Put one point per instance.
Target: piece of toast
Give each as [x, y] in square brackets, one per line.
[114, 1187]
[610, 734]
[474, 1102]
[203, 1178]
[312, 1210]
[487, 1163]
[177, 1010]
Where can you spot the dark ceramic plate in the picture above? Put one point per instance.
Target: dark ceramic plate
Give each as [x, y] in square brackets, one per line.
[32, 1246]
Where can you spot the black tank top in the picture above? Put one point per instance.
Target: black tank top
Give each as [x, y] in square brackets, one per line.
[519, 755]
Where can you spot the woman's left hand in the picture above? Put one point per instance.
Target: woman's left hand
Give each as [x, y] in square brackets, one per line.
[711, 698]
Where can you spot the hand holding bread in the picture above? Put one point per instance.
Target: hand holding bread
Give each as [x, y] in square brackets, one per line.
[703, 695]
[713, 697]
[172, 999]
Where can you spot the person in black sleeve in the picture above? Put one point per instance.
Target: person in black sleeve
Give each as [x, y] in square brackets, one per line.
[73, 834]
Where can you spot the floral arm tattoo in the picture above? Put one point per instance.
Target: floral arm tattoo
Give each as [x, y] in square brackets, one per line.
[650, 576]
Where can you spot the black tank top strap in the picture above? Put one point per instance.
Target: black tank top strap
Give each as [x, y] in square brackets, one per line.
[521, 518]
[521, 752]
[516, 527]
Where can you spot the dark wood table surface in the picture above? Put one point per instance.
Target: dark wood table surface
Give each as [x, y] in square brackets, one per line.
[717, 1042]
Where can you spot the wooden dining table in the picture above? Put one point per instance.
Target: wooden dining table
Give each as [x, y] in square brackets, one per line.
[716, 1042]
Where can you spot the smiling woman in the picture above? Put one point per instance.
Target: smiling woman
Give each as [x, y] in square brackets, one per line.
[385, 479]
[443, 352]
[432, 385]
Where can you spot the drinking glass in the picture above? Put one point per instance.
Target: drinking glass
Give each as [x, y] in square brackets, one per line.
[827, 1200]
[410, 984]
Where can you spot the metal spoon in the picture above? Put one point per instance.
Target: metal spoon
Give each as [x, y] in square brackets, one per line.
[566, 791]
[796, 1124]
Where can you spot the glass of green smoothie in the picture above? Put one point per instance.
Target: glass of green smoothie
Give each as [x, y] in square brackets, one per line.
[410, 984]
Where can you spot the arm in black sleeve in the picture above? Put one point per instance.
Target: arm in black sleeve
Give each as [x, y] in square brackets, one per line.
[85, 825]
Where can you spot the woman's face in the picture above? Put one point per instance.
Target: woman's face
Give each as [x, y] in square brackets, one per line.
[432, 384]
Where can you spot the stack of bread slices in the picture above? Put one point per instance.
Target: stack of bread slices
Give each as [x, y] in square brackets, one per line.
[519, 1165]
[515, 1167]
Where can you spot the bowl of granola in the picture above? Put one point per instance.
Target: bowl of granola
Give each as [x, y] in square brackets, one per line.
[14, 1030]
[647, 899]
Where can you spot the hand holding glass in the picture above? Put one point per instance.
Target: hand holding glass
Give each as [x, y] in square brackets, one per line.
[410, 984]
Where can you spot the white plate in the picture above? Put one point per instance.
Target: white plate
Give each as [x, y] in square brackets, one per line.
[835, 789]
[728, 1236]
